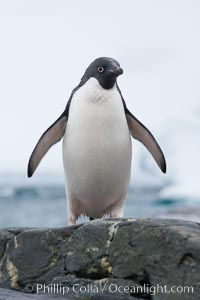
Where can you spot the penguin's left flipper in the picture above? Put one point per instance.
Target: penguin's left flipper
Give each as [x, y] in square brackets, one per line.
[50, 137]
[142, 134]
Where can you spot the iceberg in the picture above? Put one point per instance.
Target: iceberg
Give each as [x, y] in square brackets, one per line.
[180, 140]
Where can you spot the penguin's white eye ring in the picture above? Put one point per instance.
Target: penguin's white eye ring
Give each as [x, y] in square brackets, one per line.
[100, 69]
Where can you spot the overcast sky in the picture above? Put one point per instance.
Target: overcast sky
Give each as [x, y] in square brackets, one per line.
[46, 45]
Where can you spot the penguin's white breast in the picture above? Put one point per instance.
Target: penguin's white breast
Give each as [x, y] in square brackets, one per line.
[97, 144]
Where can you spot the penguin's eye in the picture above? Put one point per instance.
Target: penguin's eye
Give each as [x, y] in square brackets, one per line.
[100, 69]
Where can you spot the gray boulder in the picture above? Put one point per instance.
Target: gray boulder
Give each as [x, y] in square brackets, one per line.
[102, 259]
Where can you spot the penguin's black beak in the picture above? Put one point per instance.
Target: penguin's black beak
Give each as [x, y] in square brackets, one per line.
[117, 71]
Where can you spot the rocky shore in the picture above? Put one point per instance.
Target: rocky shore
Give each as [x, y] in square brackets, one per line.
[102, 259]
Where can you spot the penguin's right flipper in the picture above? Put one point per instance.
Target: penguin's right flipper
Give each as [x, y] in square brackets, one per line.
[50, 137]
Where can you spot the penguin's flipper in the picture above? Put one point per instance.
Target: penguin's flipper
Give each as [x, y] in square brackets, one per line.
[50, 137]
[142, 134]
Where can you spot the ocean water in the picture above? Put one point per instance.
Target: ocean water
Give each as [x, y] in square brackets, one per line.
[45, 205]
[42, 203]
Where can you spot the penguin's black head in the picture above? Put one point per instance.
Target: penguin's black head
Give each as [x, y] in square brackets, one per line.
[105, 70]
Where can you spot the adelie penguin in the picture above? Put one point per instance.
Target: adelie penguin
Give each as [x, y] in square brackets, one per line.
[96, 127]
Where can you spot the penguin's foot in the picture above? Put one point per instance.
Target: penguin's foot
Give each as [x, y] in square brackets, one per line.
[117, 214]
[72, 220]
